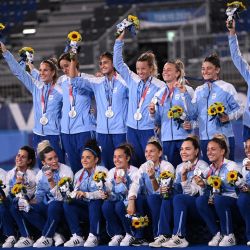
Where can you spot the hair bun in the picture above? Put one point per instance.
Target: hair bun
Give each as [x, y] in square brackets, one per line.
[42, 145]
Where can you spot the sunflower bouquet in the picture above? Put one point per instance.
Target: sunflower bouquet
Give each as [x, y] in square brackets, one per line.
[215, 183]
[100, 178]
[74, 37]
[2, 26]
[233, 10]
[166, 179]
[19, 191]
[131, 23]
[2, 194]
[65, 186]
[26, 54]
[216, 109]
[138, 221]
[232, 177]
[177, 114]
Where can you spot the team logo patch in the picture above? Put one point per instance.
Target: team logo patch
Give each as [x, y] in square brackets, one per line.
[51, 97]
[213, 95]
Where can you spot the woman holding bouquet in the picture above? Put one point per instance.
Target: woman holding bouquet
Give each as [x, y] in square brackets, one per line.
[175, 125]
[243, 184]
[222, 200]
[111, 95]
[142, 87]
[47, 100]
[157, 196]
[215, 105]
[119, 181]
[189, 184]
[21, 174]
[89, 194]
[47, 206]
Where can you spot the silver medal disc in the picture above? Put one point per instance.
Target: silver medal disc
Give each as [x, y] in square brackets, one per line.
[197, 172]
[109, 113]
[44, 120]
[72, 113]
[137, 116]
[154, 100]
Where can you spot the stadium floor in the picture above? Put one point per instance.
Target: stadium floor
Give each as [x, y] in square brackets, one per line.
[192, 247]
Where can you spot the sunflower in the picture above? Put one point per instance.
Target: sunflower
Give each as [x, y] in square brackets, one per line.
[26, 49]
[237, 4]
[170, 114]
[63, 180]
[98, 176]
[74, 36]
[136, 223]
[2, 26]
[17, 188]
[134, 20]
[166, 174]
[217, 183]
[210, 180]
[232, 176]
[95, 177]
[220, 108]
[212, 110]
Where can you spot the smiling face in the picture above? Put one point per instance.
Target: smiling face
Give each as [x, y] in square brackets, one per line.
[188, 152]
[121, 159]
[22, 160]
[170, 73]
[51, 159]
[46, 73]
[153, 153]
[88, 160]
[214, 152]
[143, 70]
[209, 71]
[106, 66]
[247, 148]
[64, 66]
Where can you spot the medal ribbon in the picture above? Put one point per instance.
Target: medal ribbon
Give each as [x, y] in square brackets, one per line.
[109, 87]
[71, 96]
[44, 99]
[215, 171]
[144, 95]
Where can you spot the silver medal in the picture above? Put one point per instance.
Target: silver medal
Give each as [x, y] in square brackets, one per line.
[44, 120]
[72, 113]
[154, 100]
[109, 112]
[137, 115]
[197, 172]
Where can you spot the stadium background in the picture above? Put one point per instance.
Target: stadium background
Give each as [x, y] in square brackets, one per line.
[185, 29]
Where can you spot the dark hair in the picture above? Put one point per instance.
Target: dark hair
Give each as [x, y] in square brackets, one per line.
[149, 57]
[92, 146]
[65, 56]
[127, 149]
[154, 141]
[214, 59]
[52, 63]
[31, 155]
[45, 151]
[107, 54]
[195, 142]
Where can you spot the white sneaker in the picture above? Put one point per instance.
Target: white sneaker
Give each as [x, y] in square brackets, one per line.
[24, 242]
[248, 243]
[127, 240]
[43, 242]
[92, 241]
[215, 240]
[115, 240]
[58, 239]
[9, 242]
[158, 241]
[75, 241]
[228, 240]
[175, 241]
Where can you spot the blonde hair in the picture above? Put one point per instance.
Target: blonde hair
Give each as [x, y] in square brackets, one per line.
[42, 145]
[179, 65]
[149, 57]
[224, 143]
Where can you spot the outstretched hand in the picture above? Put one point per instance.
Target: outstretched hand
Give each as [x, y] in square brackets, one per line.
[231, 28]
[2, 47]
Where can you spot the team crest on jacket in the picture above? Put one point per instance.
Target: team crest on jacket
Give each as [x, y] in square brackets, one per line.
[213, 95]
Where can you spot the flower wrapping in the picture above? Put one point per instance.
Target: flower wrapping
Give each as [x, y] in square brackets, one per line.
[138, 221]
[166, 179]
[177, 114]
[130, 23]
[100, 178]
[72, 46]
[19, 191]
[26, 54]
[214, 182]
[2, 193]
[65, 186]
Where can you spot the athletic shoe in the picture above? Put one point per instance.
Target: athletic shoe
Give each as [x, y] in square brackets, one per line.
[75, 241]
[116, 240]
[227, 241]
[43, 242]
[24, 242]
[215, 240]
[9, 242]
[158, 241]
[127, 240]
[58, 239]
[92, 241]
[175, 241]
[139, 242]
